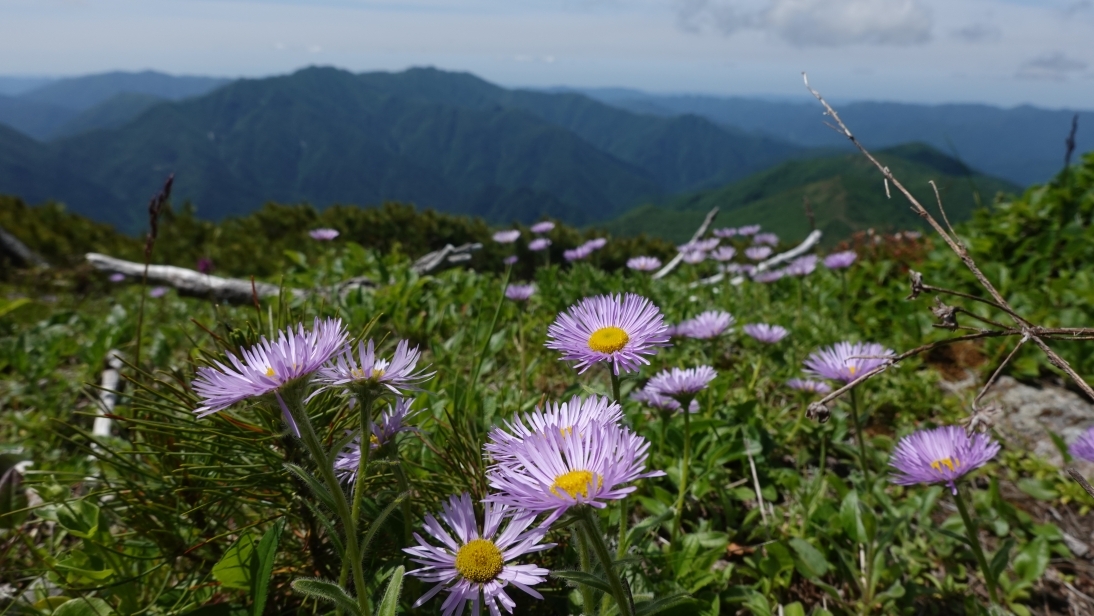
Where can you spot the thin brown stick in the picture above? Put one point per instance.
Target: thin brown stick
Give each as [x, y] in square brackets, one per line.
[984, 390]
[1077, 476]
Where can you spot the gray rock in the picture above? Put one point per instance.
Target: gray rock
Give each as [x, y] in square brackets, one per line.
[1030, 413]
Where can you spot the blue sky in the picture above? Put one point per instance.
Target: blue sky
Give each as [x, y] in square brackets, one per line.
[1004, 52]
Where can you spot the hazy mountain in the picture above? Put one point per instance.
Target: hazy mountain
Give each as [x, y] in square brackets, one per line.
[31, 118]
[82, 93]
[1022, 144]
[449, 141]
[114, 112]
[845, 192]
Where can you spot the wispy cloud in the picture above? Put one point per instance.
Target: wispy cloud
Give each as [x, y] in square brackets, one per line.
[978, 33]
[816, 23]
[1051, 67]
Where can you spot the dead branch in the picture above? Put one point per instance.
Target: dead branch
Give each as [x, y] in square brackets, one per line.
[699, 233]
[807, 244]
[18, 251]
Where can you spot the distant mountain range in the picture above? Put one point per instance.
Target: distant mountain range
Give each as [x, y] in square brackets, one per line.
[451, 141]
[444, 140]
[845, 193]
[1024, 145]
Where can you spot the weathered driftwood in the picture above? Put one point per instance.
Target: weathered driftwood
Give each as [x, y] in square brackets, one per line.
[18, 251]
[700, 232]
[807, 244]
[108, 393]
[239, 291]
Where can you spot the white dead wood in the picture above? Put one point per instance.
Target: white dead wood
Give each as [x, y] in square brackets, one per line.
[18, 251]
[108, 394]
[699, 233]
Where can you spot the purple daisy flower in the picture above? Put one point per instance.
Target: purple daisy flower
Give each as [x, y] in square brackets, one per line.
[724, 253]
[474, 565]
[507, 237]
[267, 366]
[768, 276]
[567, 417]
[520, 292]
[644, 264]
[612, 328]
[816, 387]
[577, 254]
[543, 227]
[694, 257]
[538, 244]
[725, 232]
[1083, 447]
[845, 361]
[766, 238]
[660, 402]
[768, 334]
[940, 455]
[802, 266]
[510, 260]
[117, 277]
[748, 230]
[709, 324]
[157, 292]
[554, 471]
[706, 245]
[840, 260]
[758, 253]
[595, 244]
[373, 374]
[740, 268]
[205, 265]
[323, 235]
[681, 384]
[384, 430]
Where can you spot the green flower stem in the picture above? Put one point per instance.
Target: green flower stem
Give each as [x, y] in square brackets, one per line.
[684, 471]
[326, 469]
[860, 438]
[586, 562]
[622, 550]
[615, 386]
[365, 400]
[520, 341]
[974, 541]
[756, 372]
[595, 540]
[404, 488]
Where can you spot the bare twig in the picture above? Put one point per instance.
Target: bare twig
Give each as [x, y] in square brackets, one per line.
[995, 375]
[1077, 476]
[18, 251]
[699, 233]
[809, 213]
[1070, 141]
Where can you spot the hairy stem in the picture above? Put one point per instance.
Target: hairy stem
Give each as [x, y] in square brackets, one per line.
[974, 541]
[586, 562]
[595, 539]
[683, 471]
[860, 438]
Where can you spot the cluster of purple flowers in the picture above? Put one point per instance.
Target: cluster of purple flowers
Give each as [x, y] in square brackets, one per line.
[704, 326]
[644, 264]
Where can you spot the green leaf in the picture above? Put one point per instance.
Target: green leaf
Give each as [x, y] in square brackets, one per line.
[648, 608]
[999, 561]
[84, 606]
[810, 562]
[794, 609]
[12, 497]
[267, 550]
[955, 536]
[379, 522]
[8, 306]
[1031, 562]
[580, 577]
[851, 518]
[1038, 488]
[390, 603]
[327, 591]
[236, 569]
[79, 518]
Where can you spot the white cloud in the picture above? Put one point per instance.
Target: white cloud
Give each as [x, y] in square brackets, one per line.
[816, 23]
[1051, 67]
[978, 33]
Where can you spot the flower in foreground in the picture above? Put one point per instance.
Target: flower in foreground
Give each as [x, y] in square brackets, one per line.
[661, 402]
[768, 334]
[644, 264]
[555, 470]
[840, 260]
[390, 423]
[520, 292]
[538, 244]
[709, 324]
[940, 455]
[758, 253]
[268, 366]
[323, 235]
[846, 361]
[543, 227]
[507, 237]
[609, 328]
[817, 387]
[374, 374]
[681, 384]
[474, 565]
[565, 418]
[1083, 447]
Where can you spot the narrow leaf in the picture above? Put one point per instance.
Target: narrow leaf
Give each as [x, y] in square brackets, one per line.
[580, 577]
[648, 608]
[327, 591]
[391, 597]
[267, 550]
[317, 488]
[379, 521]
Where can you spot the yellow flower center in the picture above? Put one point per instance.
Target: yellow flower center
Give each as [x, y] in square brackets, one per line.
[359, 373]
[608, 339]
[950, 463]
[479, 561]
[372, 439]
[270, 371]
[574, 483]
[567, 431]
[851, 368]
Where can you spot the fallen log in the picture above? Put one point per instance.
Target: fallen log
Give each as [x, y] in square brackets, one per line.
[18, 251]
[700, 232]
